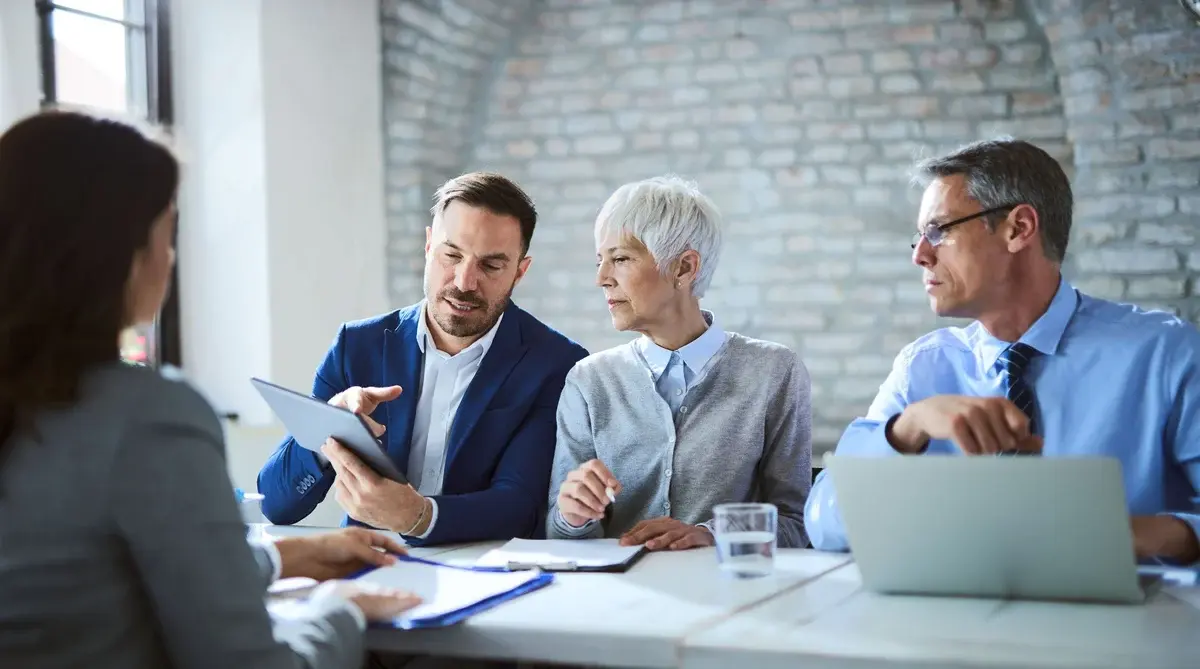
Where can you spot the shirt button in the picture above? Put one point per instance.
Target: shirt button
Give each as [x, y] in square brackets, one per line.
[679, 391]
[668, 507]
[682, 409]
[668, 473]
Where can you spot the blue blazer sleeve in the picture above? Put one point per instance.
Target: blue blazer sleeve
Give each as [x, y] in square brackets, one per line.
[514, 505]
[292, 481]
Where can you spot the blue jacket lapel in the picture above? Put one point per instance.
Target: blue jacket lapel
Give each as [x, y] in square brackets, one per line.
[506, 351]
[402, 366]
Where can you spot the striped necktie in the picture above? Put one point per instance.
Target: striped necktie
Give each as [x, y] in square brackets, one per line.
[1013, 362]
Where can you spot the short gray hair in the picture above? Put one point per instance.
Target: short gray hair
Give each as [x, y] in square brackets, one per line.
[1006, 171]
[669, 215]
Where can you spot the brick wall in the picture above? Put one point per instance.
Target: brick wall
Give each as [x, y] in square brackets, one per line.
[1130, 76]
[800, 118]
[439, 61]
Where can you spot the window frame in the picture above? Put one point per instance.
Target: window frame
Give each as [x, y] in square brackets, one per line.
[160, 110]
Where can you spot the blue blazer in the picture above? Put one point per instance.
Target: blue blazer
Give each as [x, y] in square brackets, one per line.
[501, 444]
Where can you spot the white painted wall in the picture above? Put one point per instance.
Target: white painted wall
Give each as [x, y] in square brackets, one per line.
[282, 232]
[19, 66]
[279, 111]
[223, 260]
[325, 186]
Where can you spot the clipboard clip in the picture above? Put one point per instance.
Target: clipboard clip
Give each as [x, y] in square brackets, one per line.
[548, 566]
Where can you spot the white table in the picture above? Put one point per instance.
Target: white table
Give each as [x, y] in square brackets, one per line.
[281, 593]
[832, 622]
[676, 609]
[277, 531]
[635, 619]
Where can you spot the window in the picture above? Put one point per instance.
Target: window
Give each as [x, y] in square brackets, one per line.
[113, 57]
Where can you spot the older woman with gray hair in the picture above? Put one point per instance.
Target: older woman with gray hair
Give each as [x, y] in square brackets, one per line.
[654, 433]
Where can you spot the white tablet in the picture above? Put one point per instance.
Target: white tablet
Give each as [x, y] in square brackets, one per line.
[311, 422]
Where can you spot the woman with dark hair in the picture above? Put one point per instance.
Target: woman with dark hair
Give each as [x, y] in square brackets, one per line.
[121, 544]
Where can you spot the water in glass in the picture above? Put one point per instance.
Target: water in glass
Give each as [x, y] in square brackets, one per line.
[746, 554]
[746, 538]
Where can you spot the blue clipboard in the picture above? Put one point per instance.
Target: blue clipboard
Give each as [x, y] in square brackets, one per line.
[454, 617]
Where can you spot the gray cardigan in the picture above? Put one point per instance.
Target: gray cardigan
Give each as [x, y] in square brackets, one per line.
[122, 547]
[742, 434]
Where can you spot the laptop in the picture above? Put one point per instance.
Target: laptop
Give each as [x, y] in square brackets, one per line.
[1010, 528]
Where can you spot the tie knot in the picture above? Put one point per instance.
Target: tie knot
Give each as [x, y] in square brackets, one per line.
[1016, 357]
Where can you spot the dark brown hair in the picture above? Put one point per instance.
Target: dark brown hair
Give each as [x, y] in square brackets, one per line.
[78, 198]
[493, 192]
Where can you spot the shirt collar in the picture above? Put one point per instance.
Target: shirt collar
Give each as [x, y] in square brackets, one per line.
[695, 354]
[1044, 335]
[479, 346]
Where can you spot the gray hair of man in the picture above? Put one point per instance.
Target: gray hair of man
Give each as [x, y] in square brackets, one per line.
[1004, 171]
[668, 215]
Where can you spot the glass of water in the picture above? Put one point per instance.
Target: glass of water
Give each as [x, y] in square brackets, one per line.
[746, 538]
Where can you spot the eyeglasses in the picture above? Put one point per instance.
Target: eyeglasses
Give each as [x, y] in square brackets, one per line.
[936, 234]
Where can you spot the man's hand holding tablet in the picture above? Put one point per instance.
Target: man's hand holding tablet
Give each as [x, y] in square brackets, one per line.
[368, 485]
[375, 500]
[364, 494]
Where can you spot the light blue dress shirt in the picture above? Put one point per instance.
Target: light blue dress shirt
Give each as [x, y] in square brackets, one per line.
[1111, 380]
[676, 372]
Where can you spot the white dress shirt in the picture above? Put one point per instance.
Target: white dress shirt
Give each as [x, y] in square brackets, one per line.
[444, 382]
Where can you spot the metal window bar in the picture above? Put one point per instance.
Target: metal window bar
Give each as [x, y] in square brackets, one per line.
[48, 6]
[138, 56]
[148, 34]
[157, 16]
[46, 50]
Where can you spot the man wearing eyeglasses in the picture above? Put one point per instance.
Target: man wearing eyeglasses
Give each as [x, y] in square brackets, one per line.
[1043, 369]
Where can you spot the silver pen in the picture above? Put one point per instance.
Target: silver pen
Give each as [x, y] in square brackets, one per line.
[548, 566]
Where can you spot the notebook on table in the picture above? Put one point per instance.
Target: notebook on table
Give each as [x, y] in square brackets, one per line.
[450, 594]
[577, 555]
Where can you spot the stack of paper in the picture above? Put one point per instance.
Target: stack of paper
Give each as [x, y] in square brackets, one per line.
[450, 594]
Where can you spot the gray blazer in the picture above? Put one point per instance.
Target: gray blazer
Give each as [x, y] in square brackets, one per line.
[122, 547]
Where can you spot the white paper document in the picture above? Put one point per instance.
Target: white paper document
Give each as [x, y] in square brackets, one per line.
[445, 590]
[559, 554]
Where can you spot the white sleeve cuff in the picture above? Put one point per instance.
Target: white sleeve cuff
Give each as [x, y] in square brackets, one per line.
[433, 514]
[327, 594]
[273, 555]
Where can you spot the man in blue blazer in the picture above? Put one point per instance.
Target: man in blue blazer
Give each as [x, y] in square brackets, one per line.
[462, 387]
